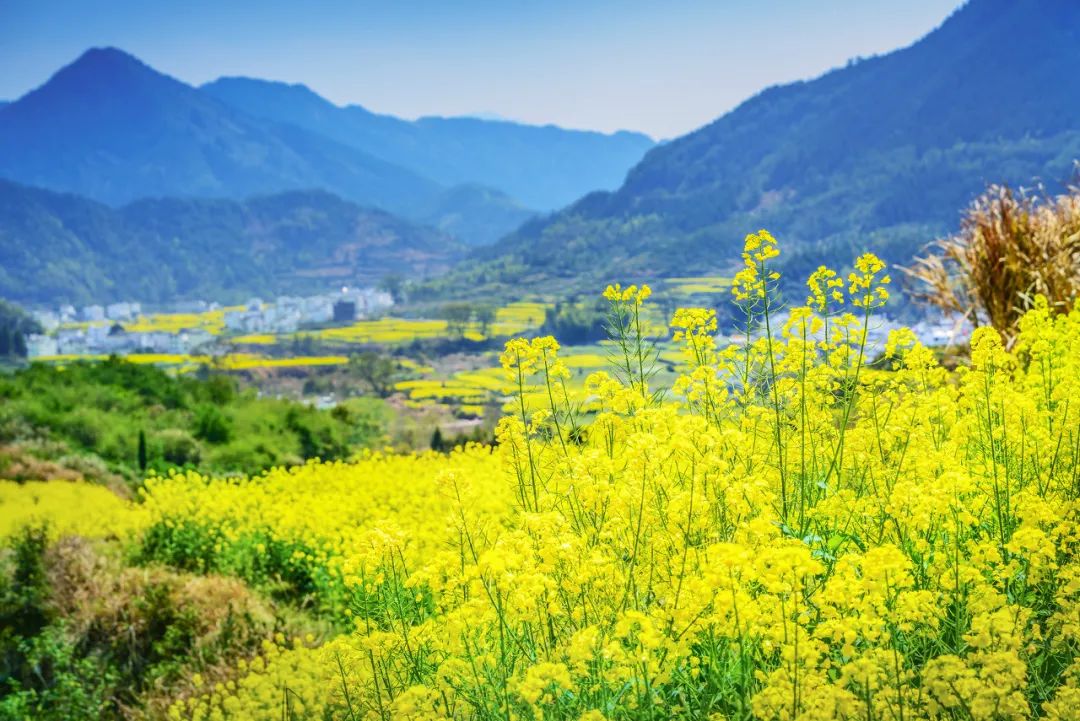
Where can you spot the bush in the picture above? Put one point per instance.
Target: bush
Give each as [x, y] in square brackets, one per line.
[60, 684]
[212, 425]
[178, 447]
[85, 426]
[24, 585]
[318, 435]
[84, 637]
[249, 456]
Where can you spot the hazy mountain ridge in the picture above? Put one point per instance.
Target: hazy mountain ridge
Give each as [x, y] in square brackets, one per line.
[543, 167]
[63, 248]
[882, 153]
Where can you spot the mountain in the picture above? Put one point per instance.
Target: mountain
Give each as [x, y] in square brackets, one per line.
[881, 154]
[543, 167]
[111, 128]
[475, 213]
[57, 248]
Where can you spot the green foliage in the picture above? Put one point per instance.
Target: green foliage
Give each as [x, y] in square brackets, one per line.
[211, 425]
[24, 586]
[576, 323]
[58, 683]
[178, 447]
[394, 284]
[484, 315]
[441, 443]
[320, 435]
[15, 325]
[378, 372]
[457, 317]
[138, 417]
[62, 248]
[141, 458]
[41, 676]
[83, 637]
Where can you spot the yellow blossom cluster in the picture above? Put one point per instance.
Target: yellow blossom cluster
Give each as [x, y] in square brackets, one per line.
[67, 508]
[331, 529]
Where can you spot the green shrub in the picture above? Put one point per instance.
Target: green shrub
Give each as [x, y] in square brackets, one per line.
[212, 425]
[178, 447]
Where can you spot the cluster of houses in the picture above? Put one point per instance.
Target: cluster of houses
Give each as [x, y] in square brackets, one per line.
[114, 340]
[101, 329]
[288, 314]
[51, 320]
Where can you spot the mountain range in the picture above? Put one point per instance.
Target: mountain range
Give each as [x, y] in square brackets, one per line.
[543, 167]
[882, 154]
[112, 129]
[164, 249]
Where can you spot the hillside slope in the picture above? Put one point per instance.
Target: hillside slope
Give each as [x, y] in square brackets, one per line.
[57, 248]
[882, 153]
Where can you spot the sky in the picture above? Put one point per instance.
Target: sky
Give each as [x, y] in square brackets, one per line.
[664, 67]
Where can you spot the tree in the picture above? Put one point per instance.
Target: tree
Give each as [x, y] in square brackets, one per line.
[437, 442]
[18, 344]
[142, 450]
[457, 317]
[303, 344]
[576, 323]
[485, 316]
[394, 284]
[379, 372]
[212, 425]
[15, 325]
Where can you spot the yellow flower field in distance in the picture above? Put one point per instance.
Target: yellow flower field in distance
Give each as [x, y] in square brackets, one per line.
[518, 317]
[211, 321]
[512, 319]
[385, 330]
[484, 385]
[228, 361]
[699, 285]
[242, 362]
[255, 339]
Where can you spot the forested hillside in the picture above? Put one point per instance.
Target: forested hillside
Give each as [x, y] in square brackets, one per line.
[878, 154]
[58, 248]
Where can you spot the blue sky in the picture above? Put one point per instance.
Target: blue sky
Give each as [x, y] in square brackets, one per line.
[664, 67]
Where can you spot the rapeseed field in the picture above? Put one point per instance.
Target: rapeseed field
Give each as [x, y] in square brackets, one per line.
[801, 527]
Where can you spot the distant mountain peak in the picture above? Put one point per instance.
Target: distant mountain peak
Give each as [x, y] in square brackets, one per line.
[107, 55]
[99, 77]
[106, 63]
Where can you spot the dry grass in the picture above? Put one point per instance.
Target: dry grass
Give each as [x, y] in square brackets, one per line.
[1011, 247]
[158, 625]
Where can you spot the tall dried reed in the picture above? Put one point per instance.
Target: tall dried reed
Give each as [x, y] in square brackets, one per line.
[1011, 247]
